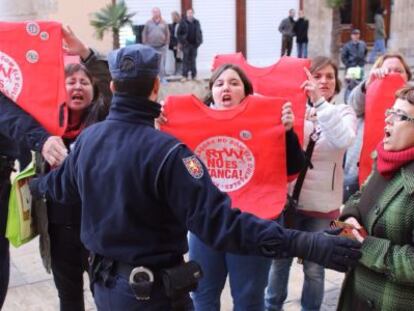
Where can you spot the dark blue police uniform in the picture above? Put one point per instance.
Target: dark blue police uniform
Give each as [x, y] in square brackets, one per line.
[142, 189]
[17, 130]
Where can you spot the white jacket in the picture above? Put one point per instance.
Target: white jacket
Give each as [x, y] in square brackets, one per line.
[322, 188]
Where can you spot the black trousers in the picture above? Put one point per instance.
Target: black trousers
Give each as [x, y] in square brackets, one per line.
[189, 60]
[69, 262]
[4, 243]
[287, 43]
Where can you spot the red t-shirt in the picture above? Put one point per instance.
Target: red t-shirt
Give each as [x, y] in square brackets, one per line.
[243, 148]
[32, 73]
[283, 79]
[380, 97]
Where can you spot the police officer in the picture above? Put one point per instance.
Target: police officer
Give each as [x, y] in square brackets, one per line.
[141, 190]
[18, 131]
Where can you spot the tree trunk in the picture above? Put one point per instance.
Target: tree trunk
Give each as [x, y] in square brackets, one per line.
[335, 34]
[115, 38]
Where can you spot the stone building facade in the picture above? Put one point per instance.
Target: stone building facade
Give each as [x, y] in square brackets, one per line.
[401, 32]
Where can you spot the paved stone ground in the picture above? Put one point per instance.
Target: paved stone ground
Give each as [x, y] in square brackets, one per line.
[32, 289]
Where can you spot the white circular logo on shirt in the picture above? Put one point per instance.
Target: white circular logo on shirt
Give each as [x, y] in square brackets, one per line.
[229, 161]
[11, 78]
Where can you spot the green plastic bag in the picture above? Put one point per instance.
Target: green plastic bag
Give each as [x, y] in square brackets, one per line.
[20, 225]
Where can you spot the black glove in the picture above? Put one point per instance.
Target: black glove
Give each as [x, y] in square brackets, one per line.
[325, 248]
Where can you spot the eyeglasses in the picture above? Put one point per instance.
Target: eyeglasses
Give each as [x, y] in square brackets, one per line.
[397, 116]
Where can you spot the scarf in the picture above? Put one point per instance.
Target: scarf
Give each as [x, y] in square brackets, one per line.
[389, 162]
[73, 130]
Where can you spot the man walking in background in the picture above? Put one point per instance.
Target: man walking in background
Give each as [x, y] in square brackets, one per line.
[286, 29]
[157, 35]
[190, 37]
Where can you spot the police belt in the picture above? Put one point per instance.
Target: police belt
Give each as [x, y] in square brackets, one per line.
[177, 281]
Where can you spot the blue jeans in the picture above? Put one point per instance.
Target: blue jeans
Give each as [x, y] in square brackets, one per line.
[379, 48]
[302, 49]
[313, 286]
[247, 275]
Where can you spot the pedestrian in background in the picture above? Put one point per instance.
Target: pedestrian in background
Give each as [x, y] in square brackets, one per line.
[190, 37]
[174, 46]
[301, 32]
[286, 29]
[353, 56]
[156, 34]
[379, 35]
[354, 51]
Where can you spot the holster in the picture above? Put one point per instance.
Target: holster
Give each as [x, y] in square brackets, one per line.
[100, 268]
[182, 279]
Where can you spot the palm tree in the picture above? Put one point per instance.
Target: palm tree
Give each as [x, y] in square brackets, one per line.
[336, 27]
[112, 17]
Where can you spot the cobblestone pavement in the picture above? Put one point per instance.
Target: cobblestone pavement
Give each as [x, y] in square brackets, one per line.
[32, 289]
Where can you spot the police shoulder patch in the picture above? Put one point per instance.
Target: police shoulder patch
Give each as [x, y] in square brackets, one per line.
[193, 166]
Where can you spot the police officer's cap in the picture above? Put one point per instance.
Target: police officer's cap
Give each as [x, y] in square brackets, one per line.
[134, 61]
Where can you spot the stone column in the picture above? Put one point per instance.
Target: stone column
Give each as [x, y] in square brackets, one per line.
[401, 37]
[21, 10]
[320, 26]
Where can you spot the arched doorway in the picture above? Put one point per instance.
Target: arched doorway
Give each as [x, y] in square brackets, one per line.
[360, 14]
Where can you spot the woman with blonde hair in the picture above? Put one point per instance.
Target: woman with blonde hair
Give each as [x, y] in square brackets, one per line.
[385, 64]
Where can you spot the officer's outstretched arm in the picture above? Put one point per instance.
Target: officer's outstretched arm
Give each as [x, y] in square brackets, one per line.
[58, 185]
[20, 126]
[186, 186]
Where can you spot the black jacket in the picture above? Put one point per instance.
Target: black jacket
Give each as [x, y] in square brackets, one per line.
[184, 29]
[18, 129]
[301, 30]
[353, 53]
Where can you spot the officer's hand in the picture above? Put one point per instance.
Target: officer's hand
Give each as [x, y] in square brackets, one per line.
[327, 249]
[54, 151]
